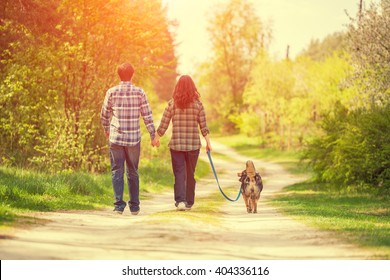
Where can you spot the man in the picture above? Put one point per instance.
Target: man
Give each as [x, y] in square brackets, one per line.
[120, 117]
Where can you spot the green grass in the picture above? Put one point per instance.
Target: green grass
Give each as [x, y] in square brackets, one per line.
[24, 191]
[224, 157]
[202, 169]
[363, 219]
[251, 147]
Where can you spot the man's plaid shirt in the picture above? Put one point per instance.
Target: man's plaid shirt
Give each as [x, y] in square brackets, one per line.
[185, 122]
[121, 112]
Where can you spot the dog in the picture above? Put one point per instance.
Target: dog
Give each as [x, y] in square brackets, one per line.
[251, 186]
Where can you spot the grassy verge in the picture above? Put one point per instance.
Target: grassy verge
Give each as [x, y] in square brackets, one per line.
[24, 191]
[249, 146]
[202, 169]
[360, 218]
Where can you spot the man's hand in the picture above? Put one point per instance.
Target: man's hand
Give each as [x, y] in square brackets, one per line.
[156, 141]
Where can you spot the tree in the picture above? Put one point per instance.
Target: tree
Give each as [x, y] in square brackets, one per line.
[237, 36]
[267, 101]
[320, 50]
[283, 100]
[353, 149]
[166, 75]
[27, 86]
[58, 67]
[369, 44]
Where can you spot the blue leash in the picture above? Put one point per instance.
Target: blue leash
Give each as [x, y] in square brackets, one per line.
[216, 178]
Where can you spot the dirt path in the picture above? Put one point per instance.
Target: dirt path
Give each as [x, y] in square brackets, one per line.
[233, 235]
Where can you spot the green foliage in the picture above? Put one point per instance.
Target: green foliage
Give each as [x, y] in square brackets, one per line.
[319, 50]
[249, 123]
[354, 150]
[27, 94]
[237, 35]
[61, 150]
[58, 58]
[283, 100]
[32, 191]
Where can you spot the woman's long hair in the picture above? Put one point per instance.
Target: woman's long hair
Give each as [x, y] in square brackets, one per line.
[185, 92]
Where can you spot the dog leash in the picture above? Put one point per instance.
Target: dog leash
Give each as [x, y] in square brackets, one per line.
[216, 178]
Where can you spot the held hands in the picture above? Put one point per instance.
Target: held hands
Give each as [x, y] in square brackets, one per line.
[156, 141]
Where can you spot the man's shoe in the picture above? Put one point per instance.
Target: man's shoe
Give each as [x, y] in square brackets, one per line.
[118, 211]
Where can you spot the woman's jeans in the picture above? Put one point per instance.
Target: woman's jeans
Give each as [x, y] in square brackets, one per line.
[119, 155]
[183, 165]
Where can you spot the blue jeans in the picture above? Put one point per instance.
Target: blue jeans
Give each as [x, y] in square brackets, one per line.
[119, 155]
[183, 165]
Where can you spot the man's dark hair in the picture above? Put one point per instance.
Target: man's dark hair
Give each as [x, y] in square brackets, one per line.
[125, 71]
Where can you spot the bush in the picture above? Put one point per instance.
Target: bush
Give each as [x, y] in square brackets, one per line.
[354, 149]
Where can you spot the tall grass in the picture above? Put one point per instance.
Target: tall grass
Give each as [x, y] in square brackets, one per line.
[23, 191]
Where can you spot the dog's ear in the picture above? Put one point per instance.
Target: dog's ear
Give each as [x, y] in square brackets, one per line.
[242, 176]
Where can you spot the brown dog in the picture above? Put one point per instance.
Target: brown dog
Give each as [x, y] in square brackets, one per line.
[251, 186]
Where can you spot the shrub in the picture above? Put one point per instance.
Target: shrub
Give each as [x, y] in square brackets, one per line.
[354, 149]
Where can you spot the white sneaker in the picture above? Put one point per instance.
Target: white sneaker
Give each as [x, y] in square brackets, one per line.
[181, 206]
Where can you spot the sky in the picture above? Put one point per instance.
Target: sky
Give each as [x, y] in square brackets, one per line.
[294, 23]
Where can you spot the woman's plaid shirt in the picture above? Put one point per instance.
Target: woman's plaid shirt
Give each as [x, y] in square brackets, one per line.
[185, 122]
[121, 112]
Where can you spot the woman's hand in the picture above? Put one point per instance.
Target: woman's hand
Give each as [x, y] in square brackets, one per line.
[156, 141]
[208, 144]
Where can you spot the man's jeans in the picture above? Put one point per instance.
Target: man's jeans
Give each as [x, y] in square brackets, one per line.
[119, 155]
[183, 165]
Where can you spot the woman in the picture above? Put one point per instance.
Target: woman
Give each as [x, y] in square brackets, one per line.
[187, 114]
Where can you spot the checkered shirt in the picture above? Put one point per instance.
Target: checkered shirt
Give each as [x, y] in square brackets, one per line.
[121, 112]
[186, 124]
